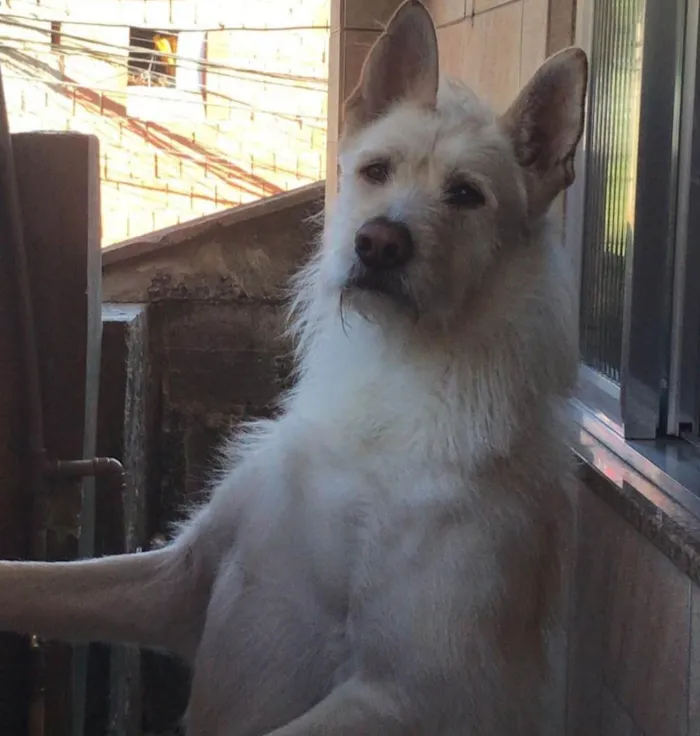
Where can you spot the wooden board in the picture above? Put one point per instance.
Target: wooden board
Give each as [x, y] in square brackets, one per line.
[58, 180]
[14, 452]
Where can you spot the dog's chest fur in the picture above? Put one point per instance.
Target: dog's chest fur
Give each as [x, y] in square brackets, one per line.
[368, 484]
[384, 492]
[342, 570]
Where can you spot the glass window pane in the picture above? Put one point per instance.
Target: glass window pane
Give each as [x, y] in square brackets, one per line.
[616, 60]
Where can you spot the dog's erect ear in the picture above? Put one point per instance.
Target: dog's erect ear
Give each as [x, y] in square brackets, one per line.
[545, 124]
[402, 65]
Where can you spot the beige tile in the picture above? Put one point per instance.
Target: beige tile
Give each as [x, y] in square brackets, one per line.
[448, 11]
[647, 650]
[595, 544]
[491, 57]
[336, 66]
[337, 15]
[369, 14]
[357, 46]
[562, 17]
[483, 6]
[451, 43]
[615, 721]
[534, 37]
[567, 524]
[694, 684]
[556, 692]
[347, 53]
[331, 171]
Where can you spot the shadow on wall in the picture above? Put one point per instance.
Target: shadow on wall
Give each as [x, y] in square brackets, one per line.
[156, 134]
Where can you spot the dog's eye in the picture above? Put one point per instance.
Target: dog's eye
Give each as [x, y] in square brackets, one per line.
[464, 194]
[377, 171]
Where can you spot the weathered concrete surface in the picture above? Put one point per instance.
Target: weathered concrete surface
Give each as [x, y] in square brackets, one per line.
[245, 254]
[220, 363]
[215, 289]
[125, 431]
[15, 490]
[125, 425]
[214, 293]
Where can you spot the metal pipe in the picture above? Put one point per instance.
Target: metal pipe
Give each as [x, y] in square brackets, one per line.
[90, 468]
[58, 470]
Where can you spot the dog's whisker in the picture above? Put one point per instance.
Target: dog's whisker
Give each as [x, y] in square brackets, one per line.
[412, 305]
[341, 307]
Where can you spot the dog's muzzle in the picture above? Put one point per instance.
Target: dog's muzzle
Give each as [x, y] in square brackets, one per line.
[383, 247]
[382, 244]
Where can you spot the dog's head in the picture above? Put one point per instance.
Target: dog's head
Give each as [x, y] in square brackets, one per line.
[434, 185]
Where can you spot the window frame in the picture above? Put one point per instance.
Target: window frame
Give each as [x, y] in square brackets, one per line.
[684, 373]
[651, 419]
[637, 405]
[184, 100]
[144, 60]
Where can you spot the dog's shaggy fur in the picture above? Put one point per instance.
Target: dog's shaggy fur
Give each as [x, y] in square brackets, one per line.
[384, 557]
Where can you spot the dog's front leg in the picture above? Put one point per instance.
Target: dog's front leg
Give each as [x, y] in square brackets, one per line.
[356, 707]
[154, 599]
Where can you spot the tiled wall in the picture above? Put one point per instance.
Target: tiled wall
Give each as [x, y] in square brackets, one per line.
[355, 26]
[494, 45]
[169, 155]
[633, 633]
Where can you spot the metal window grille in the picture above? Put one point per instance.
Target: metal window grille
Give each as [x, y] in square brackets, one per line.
[608, 226]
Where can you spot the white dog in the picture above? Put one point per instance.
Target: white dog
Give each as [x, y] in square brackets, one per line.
[383, 559]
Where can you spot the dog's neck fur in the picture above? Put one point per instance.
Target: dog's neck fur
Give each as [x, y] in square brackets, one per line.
[463, 394]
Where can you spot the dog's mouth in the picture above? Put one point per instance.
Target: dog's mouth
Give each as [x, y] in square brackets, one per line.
[389, 284]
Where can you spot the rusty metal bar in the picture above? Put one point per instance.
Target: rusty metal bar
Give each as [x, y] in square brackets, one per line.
[57, 471]
[92, 468]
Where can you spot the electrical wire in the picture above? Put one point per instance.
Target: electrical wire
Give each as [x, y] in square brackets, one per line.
[234, 174]
[117, 55]
[225, 69]
[171, 26]
[230, 102]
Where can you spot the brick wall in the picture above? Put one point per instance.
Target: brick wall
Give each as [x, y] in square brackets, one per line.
[172, 154]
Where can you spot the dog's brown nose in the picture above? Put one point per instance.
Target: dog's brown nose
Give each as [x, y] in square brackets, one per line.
[382, 243]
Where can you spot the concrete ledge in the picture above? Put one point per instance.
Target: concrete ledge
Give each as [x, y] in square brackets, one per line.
[241, 255]
[203, 228]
